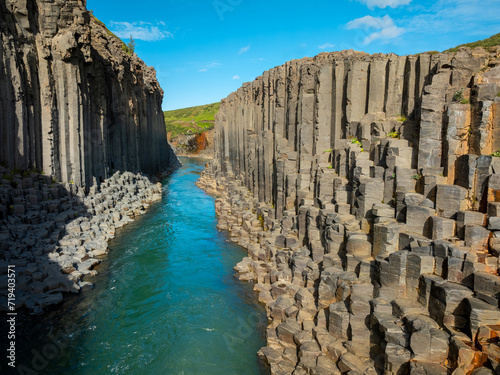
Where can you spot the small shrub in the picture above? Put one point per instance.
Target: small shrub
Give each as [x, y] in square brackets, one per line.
[401, 118]
[261, 219]
[416, 177]
[498, 95]
[496, 154]
[464, 101]
[330, 167]
[355, 141]
[131, 45]
[394, 134]
[126, 49]
[328, 151]
[458, 96]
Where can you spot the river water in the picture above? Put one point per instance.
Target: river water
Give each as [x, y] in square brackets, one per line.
[165, 300]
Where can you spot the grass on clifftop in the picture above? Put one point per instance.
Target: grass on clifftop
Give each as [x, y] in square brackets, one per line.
[194, 119]
[125, 48]
[492, 41]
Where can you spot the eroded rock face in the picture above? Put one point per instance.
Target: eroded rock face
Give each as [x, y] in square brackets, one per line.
[73, 104]
[364, 189]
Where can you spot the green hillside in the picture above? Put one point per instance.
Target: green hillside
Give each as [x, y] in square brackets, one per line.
[194, 119]
[485, 43]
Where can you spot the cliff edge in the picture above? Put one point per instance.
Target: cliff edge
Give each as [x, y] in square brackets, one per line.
[73, 103]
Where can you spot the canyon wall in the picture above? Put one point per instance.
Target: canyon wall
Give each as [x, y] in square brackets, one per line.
[73, 103]
[365, 190]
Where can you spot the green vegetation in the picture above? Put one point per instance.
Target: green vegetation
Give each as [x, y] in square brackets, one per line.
[191, 120]
[459, 97]
[131, 45]
[355, 141]
[261, 219]
[330, 167]
[498, 94]
[488, 43]
[328, 151]
[394, 134]
[496, 154]
[401, 118]
[125, 48]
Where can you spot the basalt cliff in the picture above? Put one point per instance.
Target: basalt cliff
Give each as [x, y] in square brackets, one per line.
[73, 103]
[366, 189]
[80, 121]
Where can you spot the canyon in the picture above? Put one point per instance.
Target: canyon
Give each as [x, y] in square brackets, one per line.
[365, 188]
[366, 191]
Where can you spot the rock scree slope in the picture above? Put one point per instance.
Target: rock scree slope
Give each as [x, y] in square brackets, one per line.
[73, 103]
[365, 190]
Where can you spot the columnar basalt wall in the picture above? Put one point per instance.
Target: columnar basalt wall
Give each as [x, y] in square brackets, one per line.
[365, 190]
[73, 104]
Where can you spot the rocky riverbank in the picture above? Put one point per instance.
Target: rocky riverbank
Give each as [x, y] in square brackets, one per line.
[55, 234]
[366, 189]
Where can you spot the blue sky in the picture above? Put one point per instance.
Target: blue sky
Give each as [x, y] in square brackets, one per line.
[205, 49]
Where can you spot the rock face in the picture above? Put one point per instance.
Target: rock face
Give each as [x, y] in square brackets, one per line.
[194, 145]
[73, 104]
[364, 189]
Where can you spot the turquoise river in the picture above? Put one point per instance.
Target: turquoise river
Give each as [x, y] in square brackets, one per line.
[165, 300]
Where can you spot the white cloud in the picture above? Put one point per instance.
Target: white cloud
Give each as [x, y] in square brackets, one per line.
[243, 50]
[326, 45]
[140, 30]
[384, 3]
[385, 25]
[210, 65]
[253, 61]
[236, 77]
[445, 15]
[203, 70]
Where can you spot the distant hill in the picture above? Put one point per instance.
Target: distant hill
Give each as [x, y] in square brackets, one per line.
[194, 119]
[492, 41]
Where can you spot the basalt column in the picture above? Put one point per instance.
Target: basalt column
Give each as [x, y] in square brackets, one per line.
[73, 103]
[366, 189]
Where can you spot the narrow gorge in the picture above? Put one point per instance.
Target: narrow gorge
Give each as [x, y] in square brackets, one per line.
[366, 190]
[357, 197]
